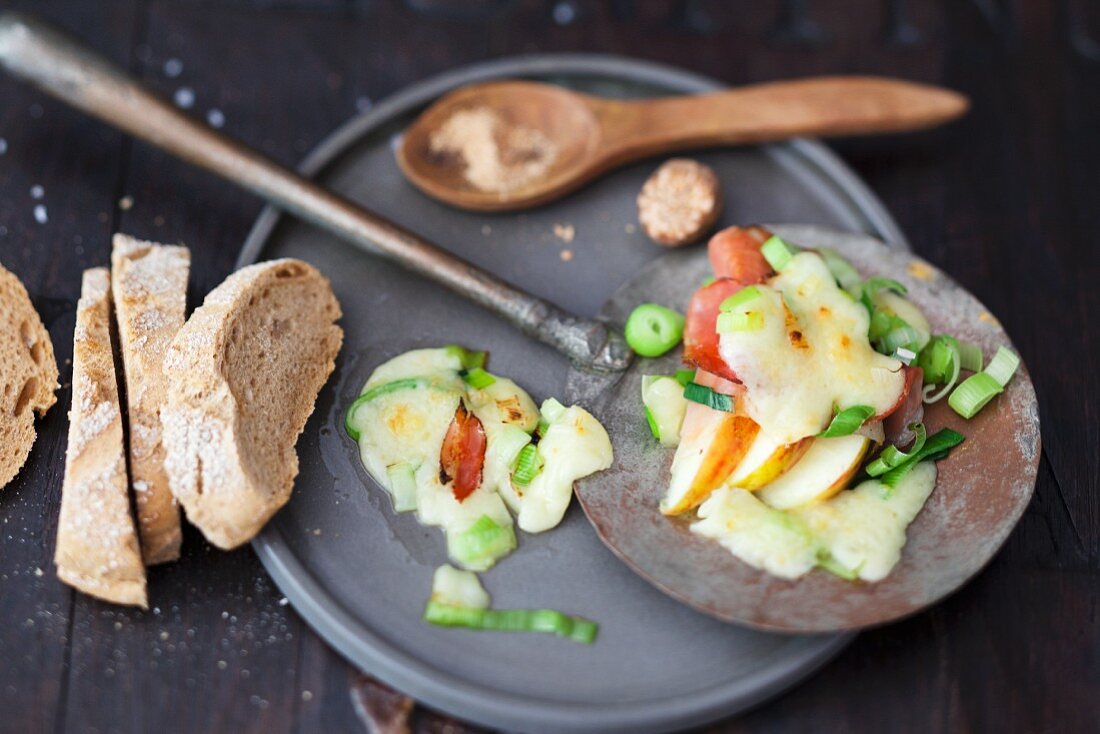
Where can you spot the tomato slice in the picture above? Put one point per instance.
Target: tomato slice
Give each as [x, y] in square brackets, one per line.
[735, 253]
[463, 454]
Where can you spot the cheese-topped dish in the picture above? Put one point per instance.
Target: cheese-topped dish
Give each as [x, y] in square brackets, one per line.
[798, 433]
[465, 450]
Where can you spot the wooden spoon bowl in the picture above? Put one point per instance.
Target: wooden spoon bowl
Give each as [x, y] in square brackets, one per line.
[584, 136]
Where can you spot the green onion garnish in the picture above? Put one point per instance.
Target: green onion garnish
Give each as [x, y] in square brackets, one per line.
[653, 427]
[684, 377]
[469, 360]
[1003, 366]
[402, 486]
[776, 252]
[904, 336]
[937, 358]
[970, 356]
[974, 393]
[485, 540]
[735, 321]
[870, 287]
[740, 298]
[651, 330]
[846, 276]
[936, 447]
[904, 355]
[703, 395]
[528, 465]
[477, 378]
[892, 456]
[847, 421]
[512, 620]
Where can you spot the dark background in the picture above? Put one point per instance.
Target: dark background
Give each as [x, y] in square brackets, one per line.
[1005, 200]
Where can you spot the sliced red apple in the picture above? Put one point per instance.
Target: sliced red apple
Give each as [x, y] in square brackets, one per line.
[822, 471]
[712, 445]
[765, 461]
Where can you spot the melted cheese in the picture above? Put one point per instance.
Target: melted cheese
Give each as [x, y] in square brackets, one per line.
[811, 356]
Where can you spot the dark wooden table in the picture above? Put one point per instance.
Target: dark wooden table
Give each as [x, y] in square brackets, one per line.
[1005, 200]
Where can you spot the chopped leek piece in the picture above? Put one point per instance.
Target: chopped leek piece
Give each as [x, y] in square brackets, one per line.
[905, 356]
[478, 379]
[970, 357]
[740, 298]
[512, 620]
[776, 252]
[653, 427]
[651, 330]
[543, 427]
[551, 409]
[469, 359]
[735, 321]
[846, 275]
[936, 447]
[665, 406]
[847, 421]
[892, 456]
[703, 395]
[974, 393]
[826, 562]
[1003, 366]
[871, 286]
[899, 337]
[528, 465]
[402, 486]
[937, 358]
[684, 377]
[480, 545]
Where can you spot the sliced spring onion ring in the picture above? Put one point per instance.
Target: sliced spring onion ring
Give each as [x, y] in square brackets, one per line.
[468, 359]
[970, 356]
[512, 620]
[871, 286]
[736, 321]
[936, 447]
[892, 456]
[477, 378]
[776, 252]
[903, 336]
[684, 377]
[846, 276]
[974, 393]
[528, 465]
[847, 421]
[651, 330]
[703, 395]
[748, 294]
[947, 353]
[1003, 366]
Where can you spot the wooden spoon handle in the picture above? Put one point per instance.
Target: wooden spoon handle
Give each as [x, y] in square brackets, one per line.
[817, 107]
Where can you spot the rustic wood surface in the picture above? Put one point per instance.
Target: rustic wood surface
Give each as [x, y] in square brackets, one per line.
[1004, 200]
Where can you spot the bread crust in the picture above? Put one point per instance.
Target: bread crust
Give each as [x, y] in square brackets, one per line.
[97, 543]
[28, 374]
[149, 286]
[244, 373]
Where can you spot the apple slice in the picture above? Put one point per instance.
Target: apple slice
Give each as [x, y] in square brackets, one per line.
[712, 445]
[766, 460]
[823, 471]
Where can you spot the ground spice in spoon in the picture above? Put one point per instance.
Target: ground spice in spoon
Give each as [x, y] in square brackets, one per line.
[500, 157]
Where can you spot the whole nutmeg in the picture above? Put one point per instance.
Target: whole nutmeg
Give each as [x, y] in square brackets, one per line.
[679, 203]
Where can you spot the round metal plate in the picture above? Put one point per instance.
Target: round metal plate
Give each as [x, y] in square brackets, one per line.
[982, 489]
[360, 575]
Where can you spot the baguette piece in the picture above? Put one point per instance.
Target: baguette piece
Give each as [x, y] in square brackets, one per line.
[97, 544]
[243, 376]
[149, 285]
[28, 374]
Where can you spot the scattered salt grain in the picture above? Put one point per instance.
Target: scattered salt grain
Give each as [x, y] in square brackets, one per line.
[222, 665]
[3, 146]
[40, 214]
[363, 104]
[173, 68]
[565, 232]
[284, 601]
[307, 695]
[37, 192]
[216, 118]
[566, 255]
[38, 572]
[185, 97]
[564, 13]
[126, 203]
[630, 228]
[486, 230]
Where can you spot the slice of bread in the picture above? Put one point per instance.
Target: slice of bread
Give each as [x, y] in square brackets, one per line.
[28, 374]
[97, 543]
[149, 285]
[243, 375]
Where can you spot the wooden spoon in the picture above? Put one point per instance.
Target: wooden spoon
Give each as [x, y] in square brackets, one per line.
[566, 139]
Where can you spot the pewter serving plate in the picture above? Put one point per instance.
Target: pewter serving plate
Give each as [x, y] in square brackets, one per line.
[360, 574]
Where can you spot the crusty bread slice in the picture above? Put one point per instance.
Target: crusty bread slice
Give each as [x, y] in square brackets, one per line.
[97, 544]
[149, 285]
[243, 375]
[28, 374]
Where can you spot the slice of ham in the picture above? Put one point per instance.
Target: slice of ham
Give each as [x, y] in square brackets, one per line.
[735, 253]
[463, 454]
[908, 409]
